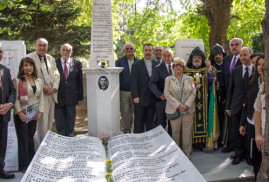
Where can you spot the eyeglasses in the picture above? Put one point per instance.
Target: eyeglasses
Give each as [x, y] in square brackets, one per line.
[177, 65]
[158, 50]
[236, 44]
[129, 48]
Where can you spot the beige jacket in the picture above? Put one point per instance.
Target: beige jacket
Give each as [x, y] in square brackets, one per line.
[38, 96]
[171, 94]
[53, 71]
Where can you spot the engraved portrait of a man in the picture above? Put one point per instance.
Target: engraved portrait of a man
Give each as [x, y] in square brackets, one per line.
[103, 82]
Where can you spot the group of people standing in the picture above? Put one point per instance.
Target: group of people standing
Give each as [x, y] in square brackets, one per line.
[215, 98]
[55, 86]
[202, 103]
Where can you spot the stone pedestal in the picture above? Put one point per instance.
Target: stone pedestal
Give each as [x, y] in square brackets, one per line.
[184, 47]
[103, 101]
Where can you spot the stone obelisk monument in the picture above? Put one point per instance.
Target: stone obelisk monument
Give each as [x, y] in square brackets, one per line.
[102, 76]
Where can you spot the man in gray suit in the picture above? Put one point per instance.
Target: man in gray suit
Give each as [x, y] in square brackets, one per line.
[7, 100]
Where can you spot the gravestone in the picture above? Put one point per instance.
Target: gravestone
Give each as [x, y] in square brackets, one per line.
[13, 52]
[183, 47]
[102, 77]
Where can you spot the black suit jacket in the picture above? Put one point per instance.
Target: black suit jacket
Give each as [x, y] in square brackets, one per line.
[226, 67]
[236, 91]
[125, 76]
[140, 83]
[70, 92]
[157, 80]
[8, 90]
[251, 96]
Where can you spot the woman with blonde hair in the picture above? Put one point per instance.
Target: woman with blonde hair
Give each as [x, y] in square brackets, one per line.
[180, 94]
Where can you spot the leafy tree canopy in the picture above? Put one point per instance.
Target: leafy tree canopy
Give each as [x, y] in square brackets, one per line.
[158, 22]
[55, 20]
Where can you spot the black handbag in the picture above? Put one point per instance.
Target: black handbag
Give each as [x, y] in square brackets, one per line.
[173, 116]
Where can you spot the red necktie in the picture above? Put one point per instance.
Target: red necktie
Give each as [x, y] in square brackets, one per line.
[65, 70]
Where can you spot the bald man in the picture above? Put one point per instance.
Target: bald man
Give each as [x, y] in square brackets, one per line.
[158, 53]
[239, 83]
[48, 73]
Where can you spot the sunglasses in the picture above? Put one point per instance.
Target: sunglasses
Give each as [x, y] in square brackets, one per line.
[236, 44]
[177, 65]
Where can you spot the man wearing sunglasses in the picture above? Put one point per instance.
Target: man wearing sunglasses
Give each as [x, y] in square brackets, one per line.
[126, 102]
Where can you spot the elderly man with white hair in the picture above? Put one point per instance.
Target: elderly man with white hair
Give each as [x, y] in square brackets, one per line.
[156, 86]
[70, 91]
[48, 73]
[126, 101]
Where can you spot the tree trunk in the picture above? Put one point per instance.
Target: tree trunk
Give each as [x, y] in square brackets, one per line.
[264, 170]
[217, 13]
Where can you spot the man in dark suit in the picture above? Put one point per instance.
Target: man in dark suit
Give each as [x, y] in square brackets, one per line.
[235, 98]
[144, 101]
[158, 53]
[126, 101]
[156, 85]
[70, 91]
[230, 62]
[7, 99]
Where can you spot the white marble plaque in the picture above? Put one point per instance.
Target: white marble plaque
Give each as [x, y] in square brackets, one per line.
[61, 158]
[13, 52]
[11, 159]
[101, 34]
[184, 47]
[151, 156]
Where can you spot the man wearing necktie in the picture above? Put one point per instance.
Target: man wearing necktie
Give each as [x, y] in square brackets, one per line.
[48, 73]
[156, 86]
[70, 91]
[235, 99]
[230, 62]
[7, 100]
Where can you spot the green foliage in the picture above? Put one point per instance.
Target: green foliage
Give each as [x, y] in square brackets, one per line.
[153, 24]
[54, 20]
[258, 43]
[195, 26]
[246, 20]
[156, 22]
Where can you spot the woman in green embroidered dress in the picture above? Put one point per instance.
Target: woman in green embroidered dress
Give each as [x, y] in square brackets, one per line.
[180, 94]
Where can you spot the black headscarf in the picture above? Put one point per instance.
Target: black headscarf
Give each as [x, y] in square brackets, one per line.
[196, 52]
[217, 49]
